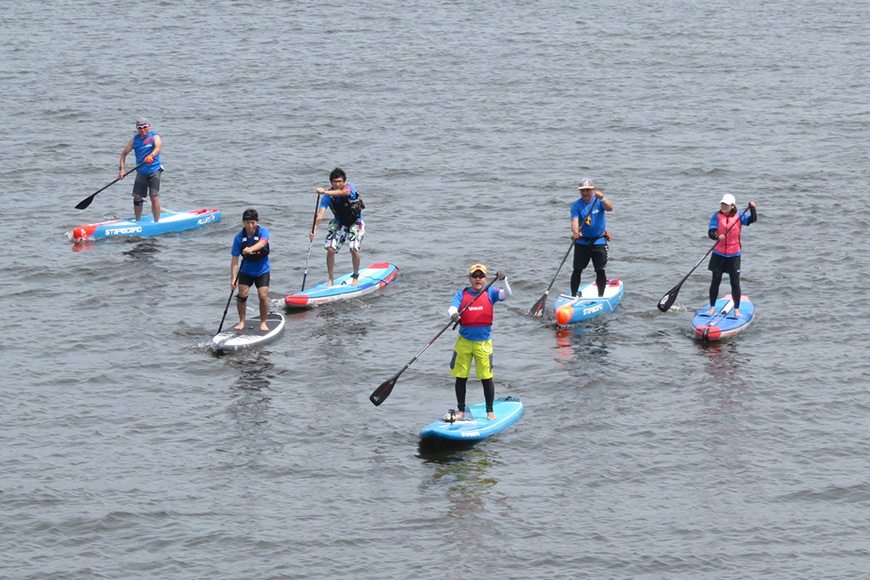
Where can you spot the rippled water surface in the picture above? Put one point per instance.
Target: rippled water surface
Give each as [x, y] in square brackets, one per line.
[129, 450]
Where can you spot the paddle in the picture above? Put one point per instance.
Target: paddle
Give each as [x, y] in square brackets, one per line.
[233, 291]
[310, 239]
[383, 391]
[668, 299]
[537, 308]
[87, 201]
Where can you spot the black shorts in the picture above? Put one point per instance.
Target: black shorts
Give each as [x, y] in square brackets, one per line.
[146, 185]
[724, 265]
[260, 281]
[584, 252]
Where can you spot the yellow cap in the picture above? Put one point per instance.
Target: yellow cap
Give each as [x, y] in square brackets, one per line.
[477, 267]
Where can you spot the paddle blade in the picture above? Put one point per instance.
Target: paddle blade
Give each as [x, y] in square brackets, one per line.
[668, 299]
[85, 202]
[537, 308]
[383, 391]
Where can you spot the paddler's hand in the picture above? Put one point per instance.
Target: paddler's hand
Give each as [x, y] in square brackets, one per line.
[454, 317]
[311, 235]
[149, 159]
[500, 275]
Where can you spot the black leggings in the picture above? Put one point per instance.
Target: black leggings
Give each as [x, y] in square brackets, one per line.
[488, 393]
[582, 254]
[735, 287]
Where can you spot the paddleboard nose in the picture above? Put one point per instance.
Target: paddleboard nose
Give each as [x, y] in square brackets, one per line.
[564, 314]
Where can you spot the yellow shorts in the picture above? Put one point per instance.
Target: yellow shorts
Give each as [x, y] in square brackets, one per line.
[464, 350]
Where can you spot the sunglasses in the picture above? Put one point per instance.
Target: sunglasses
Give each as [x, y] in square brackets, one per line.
[142, 126]
[478, 275]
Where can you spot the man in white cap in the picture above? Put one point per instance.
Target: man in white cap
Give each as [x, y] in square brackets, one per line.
[589, 230]
[725, 226]
[147, 144]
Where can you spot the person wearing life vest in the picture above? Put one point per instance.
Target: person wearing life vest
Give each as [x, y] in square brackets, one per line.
[147, 145]
[474, 313]
[252, 244]
[589, 230]
[725, 226]
[347, 224]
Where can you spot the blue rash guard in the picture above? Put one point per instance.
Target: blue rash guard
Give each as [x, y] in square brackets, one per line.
[143, 148]
[597, 221]
[476, 333]
[252, 268]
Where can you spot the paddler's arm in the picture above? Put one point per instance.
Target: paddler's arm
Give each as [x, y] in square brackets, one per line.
[234, 268]
[575, 228]
[124, 153]
[158, 145]
[261, 243]
[504, 293]
[317, 219]
[605, 203]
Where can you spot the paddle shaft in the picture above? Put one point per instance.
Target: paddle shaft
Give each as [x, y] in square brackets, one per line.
[383, 391]
[233, 291]
[310, 239]
[87, 201]
[671, 295]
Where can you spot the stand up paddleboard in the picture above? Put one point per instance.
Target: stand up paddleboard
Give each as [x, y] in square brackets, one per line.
[474, 426]
[251, 335]
[370, 280]
[722, 323]
[170, 221]
[572, 309]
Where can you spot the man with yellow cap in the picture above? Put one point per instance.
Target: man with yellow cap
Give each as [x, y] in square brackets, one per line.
[474, 313]
[725, 226]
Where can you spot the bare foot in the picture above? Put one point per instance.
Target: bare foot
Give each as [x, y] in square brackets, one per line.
[712, 310]
[240, 326]
[328, 282]
[490, 416]
[460, 415]
[737, 313]
[264, 327]
[354, 282]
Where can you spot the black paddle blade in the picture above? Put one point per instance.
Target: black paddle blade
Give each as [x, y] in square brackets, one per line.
[85, 202]
[668, 299]
[383, 391]
[537, 308]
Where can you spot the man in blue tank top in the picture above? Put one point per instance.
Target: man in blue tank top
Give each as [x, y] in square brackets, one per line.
[147, 145]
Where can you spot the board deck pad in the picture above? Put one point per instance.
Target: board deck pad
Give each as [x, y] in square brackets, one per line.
[232, 339]
[568, 310]
[474, 427]
[170, 221]
[723, 323]
[371, 279]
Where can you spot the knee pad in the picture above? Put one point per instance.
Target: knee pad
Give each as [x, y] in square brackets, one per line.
[138, 203]
[241, 298]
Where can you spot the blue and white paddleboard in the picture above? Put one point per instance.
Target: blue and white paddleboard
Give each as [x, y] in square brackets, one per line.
[170, 221]
[723, 323]
[371, 279]
[251, 335]
[573, 309]
[474, 426]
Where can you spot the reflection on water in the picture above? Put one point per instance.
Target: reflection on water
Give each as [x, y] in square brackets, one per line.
[722, 395]
[462, 475]
[144, 251]
[251, 406]
[581, 344]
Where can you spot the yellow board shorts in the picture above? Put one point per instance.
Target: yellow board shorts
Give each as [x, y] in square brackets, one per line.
[464, 350]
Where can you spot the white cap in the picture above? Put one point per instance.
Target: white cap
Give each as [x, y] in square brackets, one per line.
[728, 199]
